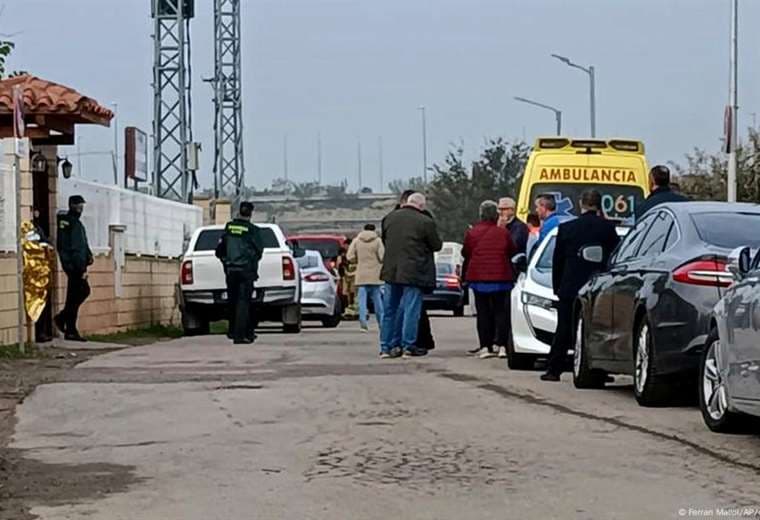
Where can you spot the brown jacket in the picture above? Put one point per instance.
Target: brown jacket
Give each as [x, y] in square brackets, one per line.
[367, 251]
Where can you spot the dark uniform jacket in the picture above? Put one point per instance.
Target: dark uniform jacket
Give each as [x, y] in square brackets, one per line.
[519, 232]
[570, 271]
[240, 248]
[659, 196]
[411, 238]
[72, 244]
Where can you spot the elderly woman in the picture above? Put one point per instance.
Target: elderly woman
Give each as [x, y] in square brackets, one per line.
[488, 249]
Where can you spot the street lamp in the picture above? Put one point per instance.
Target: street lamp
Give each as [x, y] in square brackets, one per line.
[557, 112]
[590, 71]
[424, 145]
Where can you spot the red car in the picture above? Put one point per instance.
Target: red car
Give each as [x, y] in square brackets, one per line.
[331, 247]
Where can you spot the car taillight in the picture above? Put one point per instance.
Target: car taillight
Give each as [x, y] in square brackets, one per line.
[709, 272]
[452, 281]
[288, 269]
[316, 277]
[186, 272]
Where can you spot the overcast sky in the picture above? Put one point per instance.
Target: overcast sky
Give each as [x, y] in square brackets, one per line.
[359, 69]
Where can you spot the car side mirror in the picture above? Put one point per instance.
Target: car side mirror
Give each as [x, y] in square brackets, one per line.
[593, 254]
[739, 262]
[520, 262]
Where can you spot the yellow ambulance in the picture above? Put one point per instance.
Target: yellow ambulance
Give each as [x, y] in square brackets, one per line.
[564, 167]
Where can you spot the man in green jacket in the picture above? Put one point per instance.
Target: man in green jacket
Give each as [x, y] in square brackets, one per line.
[75, 257]
[240, 250]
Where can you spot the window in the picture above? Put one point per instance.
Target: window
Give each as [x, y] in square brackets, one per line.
[309, 261]
[659, 229]
[630, 245]
[728, 230]
[546, 260]
[209, 238]
[444, 269]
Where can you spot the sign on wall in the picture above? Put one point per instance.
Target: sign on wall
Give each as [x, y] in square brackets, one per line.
[7, 205]
[136, 154]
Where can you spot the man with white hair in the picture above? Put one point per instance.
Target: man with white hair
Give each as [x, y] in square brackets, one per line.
[411, 239]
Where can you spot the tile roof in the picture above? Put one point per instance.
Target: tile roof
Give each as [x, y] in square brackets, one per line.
[44, 97]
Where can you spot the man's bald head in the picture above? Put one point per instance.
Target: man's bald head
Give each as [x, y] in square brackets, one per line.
[417, 200]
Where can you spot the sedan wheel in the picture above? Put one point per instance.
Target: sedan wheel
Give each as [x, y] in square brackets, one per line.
[648, 387]
[583, 375]
[713, 395]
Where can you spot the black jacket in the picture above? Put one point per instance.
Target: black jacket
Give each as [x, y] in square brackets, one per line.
[72, 244]
[411, 238]
[570, 271]
[659, 196]
[518, 230]
[240, 247]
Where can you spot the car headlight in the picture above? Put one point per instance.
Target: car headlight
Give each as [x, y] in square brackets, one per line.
[534, 299]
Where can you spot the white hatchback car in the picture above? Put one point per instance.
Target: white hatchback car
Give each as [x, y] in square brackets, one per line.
[534, 316]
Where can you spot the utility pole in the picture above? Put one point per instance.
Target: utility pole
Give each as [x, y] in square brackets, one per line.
[380, 162]
[424, 145]
[733, 108]
[285, 156]
[319, 158]
[229, 168]
[359, 163]
[171, 98]
[115, 143]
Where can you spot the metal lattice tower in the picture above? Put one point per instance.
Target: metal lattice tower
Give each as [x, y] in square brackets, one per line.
[171, 101]
[229, 172]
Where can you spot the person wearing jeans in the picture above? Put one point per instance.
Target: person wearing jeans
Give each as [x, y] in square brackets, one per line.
[367, 252]
[411, 239]
[488, 249]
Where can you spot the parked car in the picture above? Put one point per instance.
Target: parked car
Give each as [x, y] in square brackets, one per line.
[203, 291]
[319, 290]
[533, 312]
[729, 379]
[448, 295]
[648, 313]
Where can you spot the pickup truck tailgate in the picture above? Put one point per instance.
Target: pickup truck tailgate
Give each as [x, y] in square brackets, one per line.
[208, 273]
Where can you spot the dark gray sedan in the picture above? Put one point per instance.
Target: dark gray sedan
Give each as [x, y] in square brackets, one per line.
[730, 369]
[648, 313]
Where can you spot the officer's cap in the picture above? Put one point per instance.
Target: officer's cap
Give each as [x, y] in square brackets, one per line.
[76, 199]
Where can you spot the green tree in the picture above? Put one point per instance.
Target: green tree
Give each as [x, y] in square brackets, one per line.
[704, 176]
[455, 192]
[6, 47]
[399, 186]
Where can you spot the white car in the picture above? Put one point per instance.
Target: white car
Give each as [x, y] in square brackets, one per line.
[319, 298]
[203, 289]
[534, 316]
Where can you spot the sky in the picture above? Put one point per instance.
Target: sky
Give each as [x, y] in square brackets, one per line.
[357, 71]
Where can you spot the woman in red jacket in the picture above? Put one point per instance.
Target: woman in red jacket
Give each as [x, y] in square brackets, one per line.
[488, 250]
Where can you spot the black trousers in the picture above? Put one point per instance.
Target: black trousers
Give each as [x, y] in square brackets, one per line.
[424, 331]
[239, 293]
[492, 318]
[77, 291]
[563, 337]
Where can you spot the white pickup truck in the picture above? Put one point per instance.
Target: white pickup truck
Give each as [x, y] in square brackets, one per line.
[203, 291]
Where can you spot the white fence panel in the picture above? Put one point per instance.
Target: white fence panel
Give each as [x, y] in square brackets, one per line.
[7, 205]
[153, 226]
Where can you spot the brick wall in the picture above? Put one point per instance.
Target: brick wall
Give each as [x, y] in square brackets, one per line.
[148, 297]
[8, 300]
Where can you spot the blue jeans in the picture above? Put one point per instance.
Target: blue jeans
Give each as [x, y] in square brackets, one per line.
[375, 293]
[403, 305]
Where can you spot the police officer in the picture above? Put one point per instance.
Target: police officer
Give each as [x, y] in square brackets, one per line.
[240, 250]
[75, 257]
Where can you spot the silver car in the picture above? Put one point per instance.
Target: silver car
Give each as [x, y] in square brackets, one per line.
[729, 382]
[319, 291]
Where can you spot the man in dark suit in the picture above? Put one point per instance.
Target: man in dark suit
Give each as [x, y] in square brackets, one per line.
[570, 271]
[662, 191]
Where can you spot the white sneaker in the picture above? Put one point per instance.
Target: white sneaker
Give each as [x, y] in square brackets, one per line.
[476, 352]
[364, 328]
[503, 352]
[486, 354]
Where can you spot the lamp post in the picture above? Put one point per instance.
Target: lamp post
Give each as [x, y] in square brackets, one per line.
[733, 104]
[424, 145]
[557, 112]
[592, 87]
[115, 143]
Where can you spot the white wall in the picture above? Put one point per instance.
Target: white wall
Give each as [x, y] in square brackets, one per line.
[154, 226]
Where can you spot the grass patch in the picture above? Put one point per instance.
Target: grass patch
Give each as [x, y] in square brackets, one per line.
[137, 337]
[14, 352]
[219, 327]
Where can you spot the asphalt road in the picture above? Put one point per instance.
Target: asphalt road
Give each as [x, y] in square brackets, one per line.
[316, 426]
